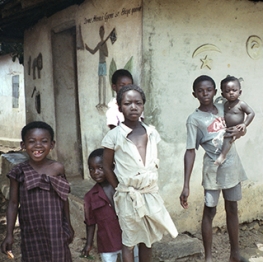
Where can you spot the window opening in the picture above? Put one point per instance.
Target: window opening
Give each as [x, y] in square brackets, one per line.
[15, 91]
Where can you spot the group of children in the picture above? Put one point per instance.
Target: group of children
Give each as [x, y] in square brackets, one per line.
[125, 204]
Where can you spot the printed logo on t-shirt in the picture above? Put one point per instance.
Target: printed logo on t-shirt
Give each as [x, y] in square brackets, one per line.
[217, 125]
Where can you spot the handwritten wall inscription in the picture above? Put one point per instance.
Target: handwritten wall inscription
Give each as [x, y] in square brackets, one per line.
[105, 17]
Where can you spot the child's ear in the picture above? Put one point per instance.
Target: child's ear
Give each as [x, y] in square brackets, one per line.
[215, 91]
[222, 94]
[52, 144]
[194, 94]
[240, 92]
[22, 145]
[113, 87]
[120, 109]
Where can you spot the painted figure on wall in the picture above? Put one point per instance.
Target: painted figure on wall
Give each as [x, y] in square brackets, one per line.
[102, 70]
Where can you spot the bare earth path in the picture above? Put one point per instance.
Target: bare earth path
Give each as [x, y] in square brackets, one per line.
[251, 241]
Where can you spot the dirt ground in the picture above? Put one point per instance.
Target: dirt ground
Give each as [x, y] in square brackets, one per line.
[251, 241]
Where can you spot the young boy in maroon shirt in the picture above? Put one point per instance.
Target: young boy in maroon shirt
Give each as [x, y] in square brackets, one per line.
[99, 210]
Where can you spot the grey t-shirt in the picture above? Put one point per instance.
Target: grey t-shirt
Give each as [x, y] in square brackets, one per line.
[207, 130]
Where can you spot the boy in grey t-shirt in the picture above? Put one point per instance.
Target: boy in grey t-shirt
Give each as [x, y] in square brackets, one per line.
[205, 127]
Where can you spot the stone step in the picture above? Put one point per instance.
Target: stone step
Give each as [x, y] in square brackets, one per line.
[178, 249]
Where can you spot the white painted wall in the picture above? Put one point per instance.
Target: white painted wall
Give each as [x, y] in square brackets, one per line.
[12, 119]
[162, 39]
[172, 31]
[128, 44]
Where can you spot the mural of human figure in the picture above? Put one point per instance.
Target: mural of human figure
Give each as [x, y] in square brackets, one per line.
[102, 70]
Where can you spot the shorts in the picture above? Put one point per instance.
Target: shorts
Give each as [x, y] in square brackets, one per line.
[111, 256]
[230, 194]
[102, 70]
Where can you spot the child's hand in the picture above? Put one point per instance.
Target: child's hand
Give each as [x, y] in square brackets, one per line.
[234, 133]
[86, 250]
[183, 198]
[241, 127]
[10, 254]
[7, 244]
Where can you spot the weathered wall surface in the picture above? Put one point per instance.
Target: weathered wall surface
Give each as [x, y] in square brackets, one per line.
[185, 39]
[172, 43]
[118, 15]
[125, 17]
[12, 119]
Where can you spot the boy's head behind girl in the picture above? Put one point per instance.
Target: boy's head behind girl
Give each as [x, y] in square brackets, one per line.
[95, 165]
[120, 78]
[37, 140]
[231, 88]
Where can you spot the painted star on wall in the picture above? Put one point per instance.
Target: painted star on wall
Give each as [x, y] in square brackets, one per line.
[206, 62]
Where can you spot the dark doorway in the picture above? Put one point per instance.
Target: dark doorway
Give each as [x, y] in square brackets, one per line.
[68, 136]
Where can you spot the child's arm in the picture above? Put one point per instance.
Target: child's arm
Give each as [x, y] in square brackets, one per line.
[11, 215]
[250, 114]
[67, 215]
[108, 160]
[189, 159]
[59, 169]
[90, 230]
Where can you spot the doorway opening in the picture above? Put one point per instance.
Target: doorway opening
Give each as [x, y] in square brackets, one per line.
[68, 130]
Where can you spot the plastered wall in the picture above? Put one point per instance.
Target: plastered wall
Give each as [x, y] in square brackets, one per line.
[185, 39]
[12, 119]
[125, 17]
[172, 43]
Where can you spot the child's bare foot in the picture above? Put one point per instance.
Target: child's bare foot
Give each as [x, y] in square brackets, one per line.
[220, 160]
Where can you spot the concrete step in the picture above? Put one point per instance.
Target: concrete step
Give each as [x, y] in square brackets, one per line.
[7, 162]
[178, 249]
